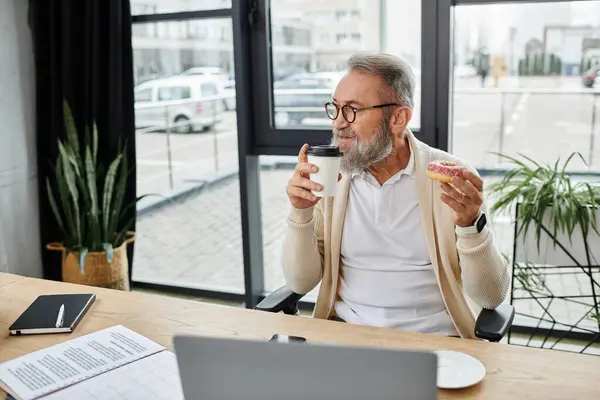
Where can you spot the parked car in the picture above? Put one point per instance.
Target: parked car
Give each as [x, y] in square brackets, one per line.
[302, 96]
[310, 80]
[292, 106]
[215, 72]
[187, 103]
[591, 77]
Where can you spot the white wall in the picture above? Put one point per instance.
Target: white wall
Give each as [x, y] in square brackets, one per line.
[19, 226]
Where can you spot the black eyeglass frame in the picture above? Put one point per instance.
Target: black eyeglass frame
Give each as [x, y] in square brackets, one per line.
[353, 109]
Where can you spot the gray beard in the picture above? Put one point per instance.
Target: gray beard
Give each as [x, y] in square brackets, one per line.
[365, 154]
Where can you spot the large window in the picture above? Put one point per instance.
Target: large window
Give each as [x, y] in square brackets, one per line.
[189, 229]
[524, 79]
[311, 46]
[524, 84]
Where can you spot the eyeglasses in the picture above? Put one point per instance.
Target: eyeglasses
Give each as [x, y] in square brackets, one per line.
[348, 112]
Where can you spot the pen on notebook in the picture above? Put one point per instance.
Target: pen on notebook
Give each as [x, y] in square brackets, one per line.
[61, 316]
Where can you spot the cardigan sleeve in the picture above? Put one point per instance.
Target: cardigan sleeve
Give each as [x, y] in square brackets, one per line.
[303, 249]
[485, 271]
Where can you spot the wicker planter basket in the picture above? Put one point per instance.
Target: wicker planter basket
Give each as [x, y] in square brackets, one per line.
[98, 271]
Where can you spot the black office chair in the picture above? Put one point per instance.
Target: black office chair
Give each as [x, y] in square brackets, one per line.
[491, 325]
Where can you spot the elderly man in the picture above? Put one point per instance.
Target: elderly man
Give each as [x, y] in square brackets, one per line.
[393, 248]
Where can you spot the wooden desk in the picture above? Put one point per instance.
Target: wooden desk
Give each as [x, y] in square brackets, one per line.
[512, 372]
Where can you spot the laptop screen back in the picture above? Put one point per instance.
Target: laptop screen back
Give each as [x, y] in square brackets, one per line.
[232, 369]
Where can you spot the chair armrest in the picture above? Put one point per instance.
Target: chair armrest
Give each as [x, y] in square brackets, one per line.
[282, 300]
[492, 325]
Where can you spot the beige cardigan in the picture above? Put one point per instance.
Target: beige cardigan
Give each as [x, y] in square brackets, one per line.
[311, 250]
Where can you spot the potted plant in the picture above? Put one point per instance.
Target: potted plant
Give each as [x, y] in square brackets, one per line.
[556, 231]
[87, 203]
[546, 193]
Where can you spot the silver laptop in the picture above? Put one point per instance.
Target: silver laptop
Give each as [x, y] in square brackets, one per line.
[235, 369]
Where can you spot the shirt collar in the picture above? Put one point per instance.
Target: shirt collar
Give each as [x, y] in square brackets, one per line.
[408, 170]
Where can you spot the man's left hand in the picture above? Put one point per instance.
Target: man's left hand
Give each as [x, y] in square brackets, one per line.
[465, 196]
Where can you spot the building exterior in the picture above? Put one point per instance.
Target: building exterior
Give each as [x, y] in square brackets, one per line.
[567, 30]
[168, 48]
[292, 43]
[339, 28]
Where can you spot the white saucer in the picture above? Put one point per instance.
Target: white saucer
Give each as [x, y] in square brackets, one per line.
[458, 370]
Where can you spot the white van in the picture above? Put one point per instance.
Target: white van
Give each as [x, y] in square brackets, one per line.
[185, 103]
[215, 72]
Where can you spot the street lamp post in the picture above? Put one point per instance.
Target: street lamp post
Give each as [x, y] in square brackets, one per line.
[513, 32]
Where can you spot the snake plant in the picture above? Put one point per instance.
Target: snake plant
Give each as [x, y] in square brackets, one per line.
[86, 200]
[547, 190]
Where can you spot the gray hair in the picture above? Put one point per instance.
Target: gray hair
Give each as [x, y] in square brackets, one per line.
[396, 73]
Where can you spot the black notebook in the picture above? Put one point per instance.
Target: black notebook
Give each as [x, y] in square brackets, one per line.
[56, 313]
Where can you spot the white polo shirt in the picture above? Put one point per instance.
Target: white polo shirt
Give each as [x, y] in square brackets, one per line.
[386, 275]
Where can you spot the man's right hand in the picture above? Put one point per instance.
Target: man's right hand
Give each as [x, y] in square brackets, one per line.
[299, 186]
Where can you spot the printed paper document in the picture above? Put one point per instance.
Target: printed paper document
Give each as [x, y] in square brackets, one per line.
[48, 370]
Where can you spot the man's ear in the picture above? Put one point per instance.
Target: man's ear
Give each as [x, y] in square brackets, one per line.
[400, 119]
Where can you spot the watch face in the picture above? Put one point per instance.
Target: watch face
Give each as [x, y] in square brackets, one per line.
[481, 222]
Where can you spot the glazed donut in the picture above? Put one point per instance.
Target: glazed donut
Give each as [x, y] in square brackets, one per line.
[443, 171]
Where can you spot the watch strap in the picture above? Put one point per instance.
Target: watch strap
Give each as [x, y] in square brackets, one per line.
[477, 227]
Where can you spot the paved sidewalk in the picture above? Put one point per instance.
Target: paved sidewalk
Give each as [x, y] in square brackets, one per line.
[197, 242]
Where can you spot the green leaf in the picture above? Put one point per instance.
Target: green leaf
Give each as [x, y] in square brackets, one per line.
[95, 234]
[71, 130]
[530, 160]
[87, 142]
[54, 207]
[67, 154]
[108, 249]
[119, 196]
[63, 192]
[69, 177]
[109, 183]
[134, 203]
[95, 142]
[82, 254]
[122, 235]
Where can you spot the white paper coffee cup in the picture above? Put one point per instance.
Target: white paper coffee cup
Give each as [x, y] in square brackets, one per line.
[328, 160]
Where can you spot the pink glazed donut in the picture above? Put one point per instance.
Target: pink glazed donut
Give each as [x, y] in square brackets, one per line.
[443, 171]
